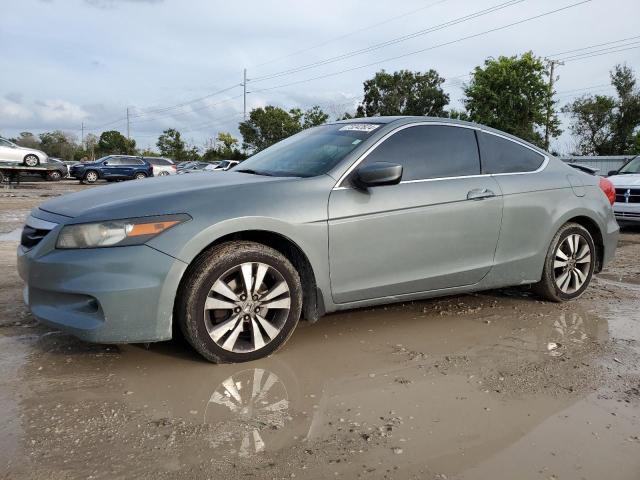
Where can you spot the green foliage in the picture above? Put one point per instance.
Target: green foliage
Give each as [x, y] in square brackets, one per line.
[270, 124]
[225, 147]
[113, 142]
[58, 144]
[592, 124]
[404, 93]
[171, 145]
[606, 125]
[512, 94]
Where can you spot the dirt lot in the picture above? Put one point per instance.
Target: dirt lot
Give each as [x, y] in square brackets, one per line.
[494, 385]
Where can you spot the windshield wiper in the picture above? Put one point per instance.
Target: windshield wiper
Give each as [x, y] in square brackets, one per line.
[253, 172]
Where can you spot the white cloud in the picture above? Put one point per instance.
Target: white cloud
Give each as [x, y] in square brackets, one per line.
[60, 111]
[12, 111]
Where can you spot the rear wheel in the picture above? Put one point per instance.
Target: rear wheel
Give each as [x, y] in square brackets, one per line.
[139, 176]
[241, 302]
[569, 265]
[31, 160]
[54, 176]
[91, 176]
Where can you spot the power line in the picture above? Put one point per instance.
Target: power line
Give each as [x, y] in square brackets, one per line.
[593, 46]
[393, 41]
[173, 115]
[433, 47]
[340, 37]
[183, 104]
[596, 54]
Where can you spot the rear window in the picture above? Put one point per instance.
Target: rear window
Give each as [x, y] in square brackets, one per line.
[500, 155]
[158, 161]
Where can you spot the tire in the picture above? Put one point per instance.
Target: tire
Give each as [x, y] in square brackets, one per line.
[54, 176]
[567, 279]
[31, 160]
[255, 336]
[90, 176]
[139, 176]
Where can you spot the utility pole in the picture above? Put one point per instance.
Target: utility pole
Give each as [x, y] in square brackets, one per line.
[552, 65]
[244, 95]
[127, 123]
[82, 134]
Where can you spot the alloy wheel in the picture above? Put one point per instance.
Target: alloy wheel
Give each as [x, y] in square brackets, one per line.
[92, 177]
[31, 161]
[247, 307]
[572, 262]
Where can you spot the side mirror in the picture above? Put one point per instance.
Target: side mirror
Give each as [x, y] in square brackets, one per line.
[377, 174]
[612, 172]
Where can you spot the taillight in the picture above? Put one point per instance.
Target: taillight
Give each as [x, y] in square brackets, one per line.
[609, 190]
[174, 167]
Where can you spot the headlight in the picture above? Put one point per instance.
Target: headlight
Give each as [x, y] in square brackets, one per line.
[112, 233]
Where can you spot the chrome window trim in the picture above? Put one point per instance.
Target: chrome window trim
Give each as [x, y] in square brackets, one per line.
[545, 161]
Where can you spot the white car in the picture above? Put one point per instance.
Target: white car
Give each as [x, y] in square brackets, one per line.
[10, 152]
[162, 166]
[222, 166]
[627, 184]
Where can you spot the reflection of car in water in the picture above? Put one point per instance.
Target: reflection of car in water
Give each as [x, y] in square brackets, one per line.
[256, 397]
[283, 400]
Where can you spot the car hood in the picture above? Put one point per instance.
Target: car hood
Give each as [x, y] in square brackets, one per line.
[157, 196]
[625, 180]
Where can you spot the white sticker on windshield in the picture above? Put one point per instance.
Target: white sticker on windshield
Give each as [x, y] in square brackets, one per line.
[360, 127]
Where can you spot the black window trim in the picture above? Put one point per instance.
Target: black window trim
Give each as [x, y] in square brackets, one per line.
[342, 183]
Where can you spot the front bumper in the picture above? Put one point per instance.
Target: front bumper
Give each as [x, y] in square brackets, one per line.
[106, 295]
[627, 212]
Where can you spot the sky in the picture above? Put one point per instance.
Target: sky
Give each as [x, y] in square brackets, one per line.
[179, 63]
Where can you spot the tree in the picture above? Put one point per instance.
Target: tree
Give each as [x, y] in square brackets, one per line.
[113, 142]
[27, 139]
[404, 93]
[512, 94]
[171, 145]
[606, 125]
[592, 124]
[58, 144]
[225, 147]
[270, 124]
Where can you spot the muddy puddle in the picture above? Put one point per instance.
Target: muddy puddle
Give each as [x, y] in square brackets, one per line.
[466, 385]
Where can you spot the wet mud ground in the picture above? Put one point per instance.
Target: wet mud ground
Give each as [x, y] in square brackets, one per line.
[490, 385]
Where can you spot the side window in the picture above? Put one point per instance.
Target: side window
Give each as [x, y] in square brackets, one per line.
[500, 155]
[430, 151]
[112, 161]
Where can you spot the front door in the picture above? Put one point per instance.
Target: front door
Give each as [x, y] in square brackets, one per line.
[437, 229]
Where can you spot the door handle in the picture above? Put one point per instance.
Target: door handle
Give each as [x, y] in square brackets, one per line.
[480, 193]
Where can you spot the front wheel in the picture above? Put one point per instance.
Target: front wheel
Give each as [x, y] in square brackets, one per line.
[31, 160]
[569, 264]
[240, 302]
[91, 177]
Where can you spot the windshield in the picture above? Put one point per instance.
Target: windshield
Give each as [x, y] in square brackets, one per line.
[632, 167]
[309, 153]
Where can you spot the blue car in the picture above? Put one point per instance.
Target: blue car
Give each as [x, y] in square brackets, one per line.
[111, 168]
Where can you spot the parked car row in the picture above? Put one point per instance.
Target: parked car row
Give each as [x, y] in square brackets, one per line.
[197, 167]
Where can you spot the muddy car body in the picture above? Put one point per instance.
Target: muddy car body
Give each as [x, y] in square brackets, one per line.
[358, 220]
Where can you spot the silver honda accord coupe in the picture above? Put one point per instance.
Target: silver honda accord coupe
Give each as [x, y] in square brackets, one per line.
[349, 214]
